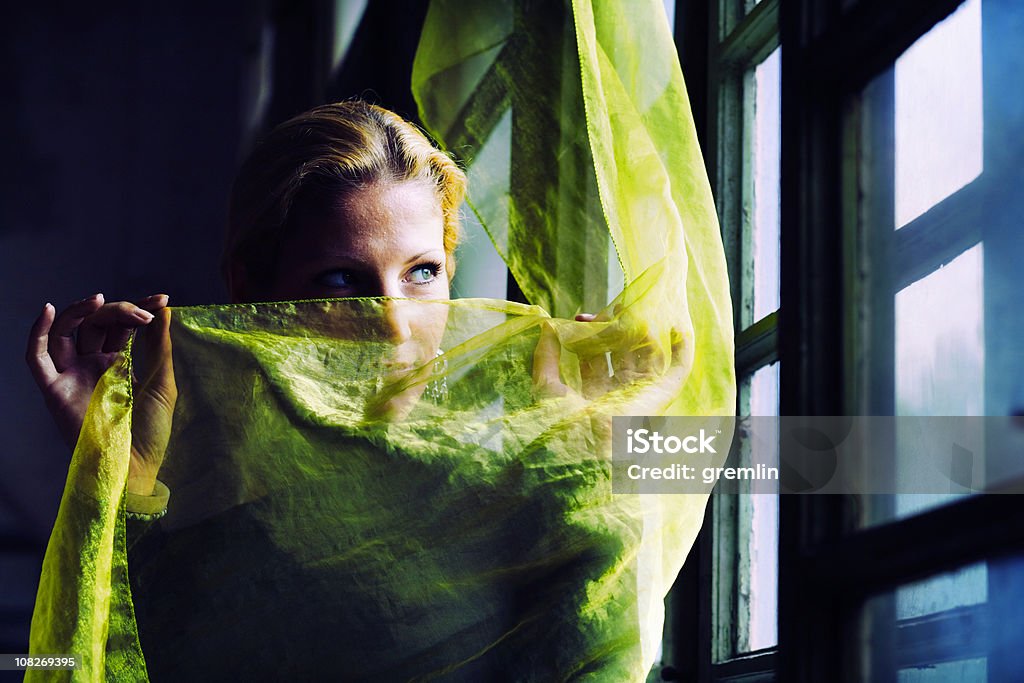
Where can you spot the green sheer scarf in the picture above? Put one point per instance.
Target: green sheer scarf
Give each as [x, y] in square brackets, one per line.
[336, 513]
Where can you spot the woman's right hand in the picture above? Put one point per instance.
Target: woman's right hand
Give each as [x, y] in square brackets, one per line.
[69, 352]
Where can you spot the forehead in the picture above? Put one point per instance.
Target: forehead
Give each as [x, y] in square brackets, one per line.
[379, 219]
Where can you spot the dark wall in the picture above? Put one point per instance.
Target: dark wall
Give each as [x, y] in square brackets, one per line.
[121, 125]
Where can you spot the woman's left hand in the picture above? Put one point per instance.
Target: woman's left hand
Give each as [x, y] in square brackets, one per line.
[613, 358]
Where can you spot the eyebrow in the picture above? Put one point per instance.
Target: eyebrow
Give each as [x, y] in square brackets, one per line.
[417, 257]
[359, 263]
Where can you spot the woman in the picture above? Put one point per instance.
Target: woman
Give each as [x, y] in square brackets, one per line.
[347, 200]
[347, 503]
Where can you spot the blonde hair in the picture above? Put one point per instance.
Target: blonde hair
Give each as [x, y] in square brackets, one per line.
[312, 161]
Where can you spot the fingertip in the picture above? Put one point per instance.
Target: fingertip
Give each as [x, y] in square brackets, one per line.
[95, 301]
[45, 318]
[143, 316]
[154, 302]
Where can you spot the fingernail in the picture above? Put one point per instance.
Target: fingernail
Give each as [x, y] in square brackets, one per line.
[47, 306]
[144, 316]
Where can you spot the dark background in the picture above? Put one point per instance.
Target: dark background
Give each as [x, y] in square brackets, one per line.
[122, 126]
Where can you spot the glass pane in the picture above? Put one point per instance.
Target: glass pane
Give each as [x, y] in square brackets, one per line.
[930, 631]
[965, 586]
[670, 12]
[940, 355]
[481, 271]
[939, 113]
[757, 601]
[767, 159]
[946, 672]
[764, 391]
[954, 634]
[940, 341]
[940, 361]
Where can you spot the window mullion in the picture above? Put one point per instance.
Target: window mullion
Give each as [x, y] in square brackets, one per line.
[725, 557]
[948, 229]
[758, 345]
[754, 38]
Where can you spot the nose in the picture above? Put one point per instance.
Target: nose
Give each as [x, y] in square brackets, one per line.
[395, 321]
[392, 322]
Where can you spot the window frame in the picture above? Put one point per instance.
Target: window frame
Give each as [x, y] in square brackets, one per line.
[824, 580]
[833, 48]
[746, 35]
[720, 44]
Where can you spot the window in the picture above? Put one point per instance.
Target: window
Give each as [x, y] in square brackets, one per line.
[922, 130]
[738, 553]
[898, 294]
[744, 529]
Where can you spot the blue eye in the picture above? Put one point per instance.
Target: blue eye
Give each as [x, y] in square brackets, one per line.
[424, 274]
[336, 279]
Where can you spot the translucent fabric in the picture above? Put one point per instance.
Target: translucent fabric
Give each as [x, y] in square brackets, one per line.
[351, 504]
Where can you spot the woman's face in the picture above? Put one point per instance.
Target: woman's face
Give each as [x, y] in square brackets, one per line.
[384, 240]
